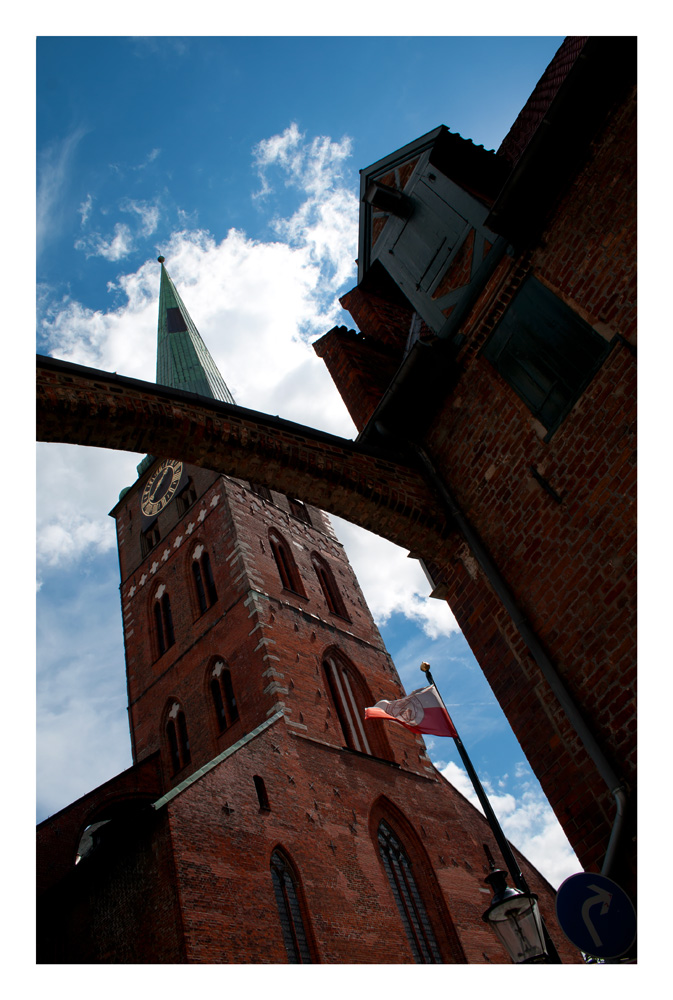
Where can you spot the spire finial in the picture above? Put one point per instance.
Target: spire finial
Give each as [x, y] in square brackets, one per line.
[161, 259]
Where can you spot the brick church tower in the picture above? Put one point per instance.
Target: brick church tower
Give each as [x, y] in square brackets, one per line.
[262, 820]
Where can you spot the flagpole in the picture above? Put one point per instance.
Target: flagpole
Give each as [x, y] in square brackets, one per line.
[501, 839]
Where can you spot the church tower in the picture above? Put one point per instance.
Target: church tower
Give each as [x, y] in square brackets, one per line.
[238, 602]
[263, 820]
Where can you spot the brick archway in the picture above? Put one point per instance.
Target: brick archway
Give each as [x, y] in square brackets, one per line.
[79, 405]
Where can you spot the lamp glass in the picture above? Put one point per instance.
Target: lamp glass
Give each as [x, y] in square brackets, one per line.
[517, 923]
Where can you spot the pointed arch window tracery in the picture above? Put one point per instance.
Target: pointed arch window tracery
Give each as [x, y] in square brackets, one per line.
[178, 738]
[204, 582]
[329, 586]
[163, 621]
[287, 567]
[407, 896]
[349, 696]
[292, 920]
[224, 700]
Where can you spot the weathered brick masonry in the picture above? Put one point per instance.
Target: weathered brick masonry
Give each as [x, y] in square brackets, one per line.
[182, 870]
[555, 508]
[252, 825]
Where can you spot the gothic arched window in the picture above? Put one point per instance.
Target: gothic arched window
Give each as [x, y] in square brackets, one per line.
[285, 887]
[349, 702]
[329, 586]
[163, 621]
[407, 897]
[222, 690]
[287, 568]
[202, 572]
[178, 740]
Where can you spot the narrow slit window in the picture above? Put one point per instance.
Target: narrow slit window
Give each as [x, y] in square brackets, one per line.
[185, 754]
[173, 746]
[262, 797]
[168, 620]
[220, 714]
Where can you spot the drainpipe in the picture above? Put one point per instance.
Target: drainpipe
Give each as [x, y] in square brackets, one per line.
[537, 651]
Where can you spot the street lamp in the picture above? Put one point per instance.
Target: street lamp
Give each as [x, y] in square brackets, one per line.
[515, 918]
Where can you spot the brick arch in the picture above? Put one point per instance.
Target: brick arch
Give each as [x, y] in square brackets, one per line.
[78, 405]
[58, 836]
[442, 923]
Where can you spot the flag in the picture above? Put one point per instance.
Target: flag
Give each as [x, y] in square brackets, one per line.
[422, 712]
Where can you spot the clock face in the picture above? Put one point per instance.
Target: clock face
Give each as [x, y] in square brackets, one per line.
[160, 487]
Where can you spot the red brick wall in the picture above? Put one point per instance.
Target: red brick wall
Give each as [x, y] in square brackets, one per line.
[272, 640]
[359, 365]
[120, 905]
[325, 805]
[568, 551]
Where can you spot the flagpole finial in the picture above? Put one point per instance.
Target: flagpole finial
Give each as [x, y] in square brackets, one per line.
[161, 259]
[425, 667]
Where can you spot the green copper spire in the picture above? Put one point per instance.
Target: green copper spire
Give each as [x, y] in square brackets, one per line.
[183, 360]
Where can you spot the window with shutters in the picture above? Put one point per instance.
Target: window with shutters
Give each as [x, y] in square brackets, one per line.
[222, 691]
[545, 352]
[412, 910]
[262, 491]
[292, 919]
[186, 497]
[204, 584]
[287, 568]
[329, 587]
[299, 510]
[149, 538]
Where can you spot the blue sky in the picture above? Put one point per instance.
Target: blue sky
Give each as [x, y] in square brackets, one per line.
[237, 159]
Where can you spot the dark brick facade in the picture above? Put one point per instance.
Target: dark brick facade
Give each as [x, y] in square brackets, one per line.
[554, 509]
[181, 870]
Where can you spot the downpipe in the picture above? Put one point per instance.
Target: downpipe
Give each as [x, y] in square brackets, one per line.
[537, 651]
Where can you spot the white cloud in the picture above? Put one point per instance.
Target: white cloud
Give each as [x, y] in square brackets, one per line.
[148, 213]
[114, 247]
[256, 304]
[85, 210]
[526, 818]
[54, 170]
[392, 581]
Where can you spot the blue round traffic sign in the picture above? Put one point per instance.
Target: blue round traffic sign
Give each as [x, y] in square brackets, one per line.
[596, 915]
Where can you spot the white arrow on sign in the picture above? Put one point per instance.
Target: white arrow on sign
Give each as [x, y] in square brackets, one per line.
[603, 897]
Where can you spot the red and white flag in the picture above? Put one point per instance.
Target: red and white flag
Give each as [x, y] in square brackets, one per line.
[422, 712]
